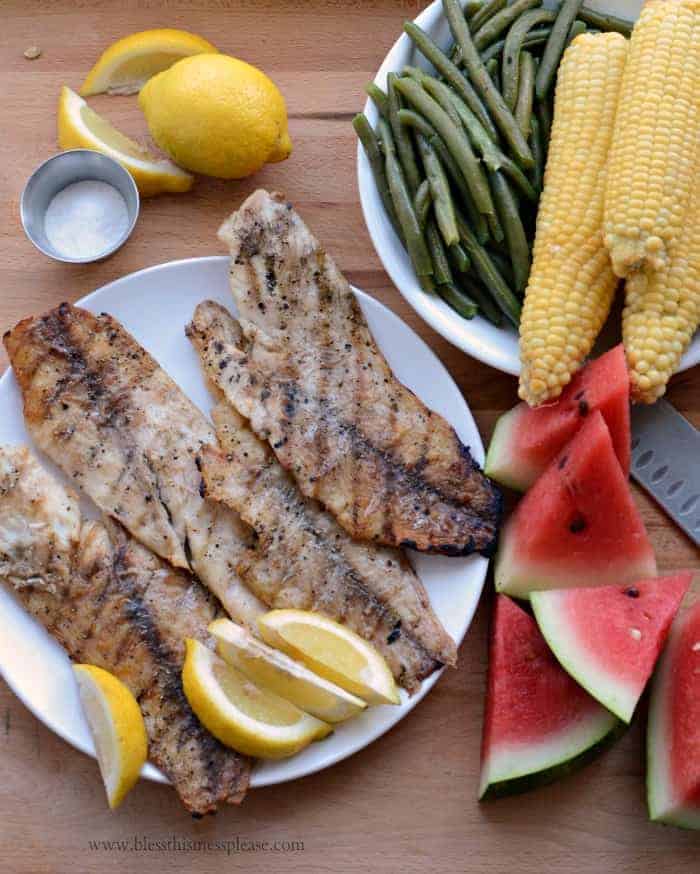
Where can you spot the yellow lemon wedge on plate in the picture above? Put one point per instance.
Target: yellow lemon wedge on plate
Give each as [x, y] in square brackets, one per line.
[273, 670]
[129, 62]
[117, 729]
[80, 127]
[332, 651]
[240, 714]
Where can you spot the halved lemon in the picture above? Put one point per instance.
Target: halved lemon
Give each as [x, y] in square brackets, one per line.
[273, 670]
[332, 651]
[117, 729]
[240, 714]
[129, 62]
[80, 127]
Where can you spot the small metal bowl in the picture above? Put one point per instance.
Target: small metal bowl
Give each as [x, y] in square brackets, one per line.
[76, 165]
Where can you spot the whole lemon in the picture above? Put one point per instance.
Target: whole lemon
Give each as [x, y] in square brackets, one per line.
[217, 115]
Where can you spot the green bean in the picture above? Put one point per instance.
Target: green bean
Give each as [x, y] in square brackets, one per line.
[413, 72]
[459, 258]
[526, 91]
[440, 192]
[368, 138]
[492, 69]
[471, 7]
[516, 241]
[603, 21]
[487, 307]
[502, 262]
[451, 74]
[495, 228]
[413, 119]
[402, 138]
[489, 275]
[500, 22]
[482, 82]
[441, 266]
[577, 28]
[461, 303]
[537, 146]
[422, 202]
[403, 204]
[487, 11]
[510, 63]
[455, 140]
[531, 40]
[555, 46]
[379, 99]
[543, 111]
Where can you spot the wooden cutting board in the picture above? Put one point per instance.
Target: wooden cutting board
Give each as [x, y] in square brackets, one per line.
[407, 803]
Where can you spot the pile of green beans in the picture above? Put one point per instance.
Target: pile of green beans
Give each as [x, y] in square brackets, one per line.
[458, 154]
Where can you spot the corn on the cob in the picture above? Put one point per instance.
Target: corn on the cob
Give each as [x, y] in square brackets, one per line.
[662, 311]
[653, 158]
[571, 283]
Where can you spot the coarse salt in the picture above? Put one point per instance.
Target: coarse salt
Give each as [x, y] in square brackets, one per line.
[86, 219]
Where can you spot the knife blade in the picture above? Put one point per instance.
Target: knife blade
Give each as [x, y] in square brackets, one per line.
[666, 462]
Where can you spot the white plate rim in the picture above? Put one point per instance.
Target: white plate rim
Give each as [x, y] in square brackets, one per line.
[462, 419]
[477, 337]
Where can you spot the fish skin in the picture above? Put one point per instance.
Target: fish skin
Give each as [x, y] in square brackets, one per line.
[303, 559]
[303, 367]
[110, 417]
[112, 603]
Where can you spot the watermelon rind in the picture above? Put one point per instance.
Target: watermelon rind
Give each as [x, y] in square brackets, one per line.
[500, 464]
[662, 805]
[561, 638]
[516, 769]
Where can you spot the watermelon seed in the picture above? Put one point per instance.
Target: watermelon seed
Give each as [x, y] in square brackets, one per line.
[583, 408]
[577, 524]
[577, 397]
[632, 592]
[636, 633]
[562, 461]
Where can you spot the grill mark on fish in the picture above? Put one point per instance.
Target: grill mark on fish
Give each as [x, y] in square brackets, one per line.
[303, 559]
[135, 435]
[110, 602]
[458, 507]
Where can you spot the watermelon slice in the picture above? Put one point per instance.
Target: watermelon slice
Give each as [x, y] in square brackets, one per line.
[539, 723]
[609, 638]
[526, 440]
[673, 739]
[577, 526]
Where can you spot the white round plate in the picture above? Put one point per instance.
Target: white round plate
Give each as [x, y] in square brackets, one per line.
[478, 337]
[155, 305]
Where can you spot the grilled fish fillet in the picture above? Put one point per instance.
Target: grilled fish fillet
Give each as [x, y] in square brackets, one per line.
[306, 371]
[302, 558]
[110, 602]
[104, 411]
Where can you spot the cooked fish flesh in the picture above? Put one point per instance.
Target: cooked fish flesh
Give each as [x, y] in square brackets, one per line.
[305, 370]
[104, 411]
[302, 558]
[112, 603]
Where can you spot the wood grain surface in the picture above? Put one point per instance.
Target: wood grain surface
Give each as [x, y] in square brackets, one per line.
[407, 803]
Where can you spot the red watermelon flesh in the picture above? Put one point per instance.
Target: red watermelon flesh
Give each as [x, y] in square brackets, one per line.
[526, 439]
[577, 526]
[538, 722]
[609, 638]
[673, 735]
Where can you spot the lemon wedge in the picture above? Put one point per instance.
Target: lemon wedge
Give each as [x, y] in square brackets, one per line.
[80, 127]
[129, 62]
[117, 729]
[332, 651]
[273, 670]
[240, 714]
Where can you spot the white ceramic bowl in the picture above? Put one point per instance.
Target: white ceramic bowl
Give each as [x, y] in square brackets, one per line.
[478, 337]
